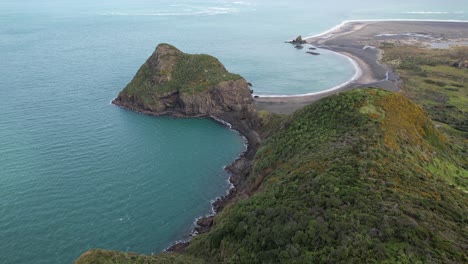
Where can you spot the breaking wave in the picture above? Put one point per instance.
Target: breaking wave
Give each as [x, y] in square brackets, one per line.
[207, 12]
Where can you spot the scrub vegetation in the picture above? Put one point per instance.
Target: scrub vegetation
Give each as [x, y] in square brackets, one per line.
[431, 80]
[365, 176]
[349, 179]
[169, 70]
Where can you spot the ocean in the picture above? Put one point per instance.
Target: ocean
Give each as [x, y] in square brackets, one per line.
[78, 173]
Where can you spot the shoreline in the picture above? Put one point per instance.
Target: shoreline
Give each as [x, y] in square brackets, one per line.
[359, 41]
[237, 171]
[357, 74]
[198, 223]
[348, 56]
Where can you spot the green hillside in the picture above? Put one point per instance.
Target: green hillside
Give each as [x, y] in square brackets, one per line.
[359, 177]
[353, 178]
[111, 257]
[169, 70]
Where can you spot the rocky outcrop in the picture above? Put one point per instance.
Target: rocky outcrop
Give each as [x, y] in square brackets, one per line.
[298, 40]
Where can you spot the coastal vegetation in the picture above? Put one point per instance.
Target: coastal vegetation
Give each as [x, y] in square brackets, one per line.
[364, 176]
[346, 180]
[437, 79]
[109, 257]
[432, 78]
[357, 177]
[169, 70]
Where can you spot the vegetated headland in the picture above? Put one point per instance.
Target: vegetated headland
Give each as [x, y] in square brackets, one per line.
[374, 175]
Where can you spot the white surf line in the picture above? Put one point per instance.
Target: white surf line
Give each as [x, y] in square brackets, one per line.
[357, 74]
[342, 24]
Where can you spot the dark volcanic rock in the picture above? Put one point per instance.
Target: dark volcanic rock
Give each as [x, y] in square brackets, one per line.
[178, 247]
[204, 224]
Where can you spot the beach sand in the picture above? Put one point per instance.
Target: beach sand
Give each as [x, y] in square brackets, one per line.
[359, 41]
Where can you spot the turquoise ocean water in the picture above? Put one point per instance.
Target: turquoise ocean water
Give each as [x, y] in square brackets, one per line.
[77, 172]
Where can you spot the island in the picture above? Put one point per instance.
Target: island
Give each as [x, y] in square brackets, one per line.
[372, 172]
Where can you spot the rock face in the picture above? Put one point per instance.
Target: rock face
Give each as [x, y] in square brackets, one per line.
[298, 40]
[183, 85]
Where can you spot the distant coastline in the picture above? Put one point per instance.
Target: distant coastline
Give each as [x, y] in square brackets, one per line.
[342, 24]
[359, 40]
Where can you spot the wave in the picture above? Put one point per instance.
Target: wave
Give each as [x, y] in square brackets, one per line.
[208, 11]
[432, 12]
[242, 3]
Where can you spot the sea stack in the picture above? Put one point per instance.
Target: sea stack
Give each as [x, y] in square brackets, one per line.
[298, 40]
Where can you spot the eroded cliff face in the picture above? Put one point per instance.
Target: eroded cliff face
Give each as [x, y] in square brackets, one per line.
[172, 82]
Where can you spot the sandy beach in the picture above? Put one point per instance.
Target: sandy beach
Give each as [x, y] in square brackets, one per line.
[359, 41]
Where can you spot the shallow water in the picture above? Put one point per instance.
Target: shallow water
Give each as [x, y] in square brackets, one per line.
[77, 172]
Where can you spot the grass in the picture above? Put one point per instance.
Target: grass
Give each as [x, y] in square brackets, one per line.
[270, 122]
[442, 90]
[174, 71]
[98, 256]
[429, 80]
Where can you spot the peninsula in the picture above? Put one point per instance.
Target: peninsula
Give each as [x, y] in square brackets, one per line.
[361, 175]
